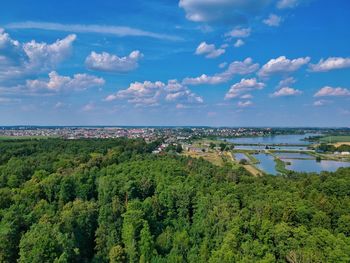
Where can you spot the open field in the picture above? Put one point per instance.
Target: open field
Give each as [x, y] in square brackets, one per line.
[211, 156]
[205, 141]
[253, 170]
[335, 139]
[337, 144]
[215, 157]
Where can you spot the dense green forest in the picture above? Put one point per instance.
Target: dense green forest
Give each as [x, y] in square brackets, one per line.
[114, 201]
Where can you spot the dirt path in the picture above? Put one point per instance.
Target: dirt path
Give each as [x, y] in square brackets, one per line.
[337, 144]
[253, 170]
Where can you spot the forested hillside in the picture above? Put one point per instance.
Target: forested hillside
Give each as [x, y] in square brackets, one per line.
[114, 201]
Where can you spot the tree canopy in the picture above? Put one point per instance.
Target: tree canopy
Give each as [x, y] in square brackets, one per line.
[114, 201]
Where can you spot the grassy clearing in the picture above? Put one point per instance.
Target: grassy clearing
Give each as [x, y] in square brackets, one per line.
[335, 139]
[331, 157]
[252, 159]
[212, 157]
[281, 166]
[228, 157]
[253, 170]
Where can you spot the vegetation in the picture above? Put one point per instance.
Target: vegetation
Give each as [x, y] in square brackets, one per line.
[332, 148]
[114, 201]
[11, 138]
[243, 161]
[211, 156]
[174, 148]
[281, 166]
[334, 139]
[251, 157]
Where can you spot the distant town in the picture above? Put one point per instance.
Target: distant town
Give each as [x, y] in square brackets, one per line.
[259, 150]
[153, 133]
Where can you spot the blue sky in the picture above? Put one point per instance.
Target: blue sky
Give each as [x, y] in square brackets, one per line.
[187, 62]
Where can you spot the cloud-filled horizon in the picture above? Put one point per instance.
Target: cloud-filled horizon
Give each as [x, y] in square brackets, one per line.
[191, 62]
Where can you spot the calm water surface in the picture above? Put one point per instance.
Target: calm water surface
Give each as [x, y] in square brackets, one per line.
[267, 163]
[240, 156]
[277, 148]
[310, 166]
[277, 139]
[299, 162]
[283, 156]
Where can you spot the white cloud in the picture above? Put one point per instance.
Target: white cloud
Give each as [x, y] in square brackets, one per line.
[239, 43]
[59, 105]
[21, 59]
[112, 63]
[120, 31]
[286, 82]
[235, 68]
[320, 103]
[282, 65]
[284, 4]
[222, 11]
[180, 106]
[239, 32]
[48, 56]
[244, 104]
[223, 65]
[209, 50]
[286, 92]
[154, 93]
[245, 85]
[273, 20]
[246, 96]
[57, 83]
[89, 107]
[11, 51]
[328, 91]
[330, 64]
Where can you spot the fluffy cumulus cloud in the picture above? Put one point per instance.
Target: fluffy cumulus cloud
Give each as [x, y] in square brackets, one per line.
[222, 11]
[11, 51]
[244, 86]
[112, 63]
[209, 50]
[238, 43]
[21, 59]
[235, 68]
[58, 83]
[284, 4]
[330, 64]
[273, 20]
[47, 56]
[286, 92]
[239, 32]
[282, 65]
[328, 91]
[155, 93]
